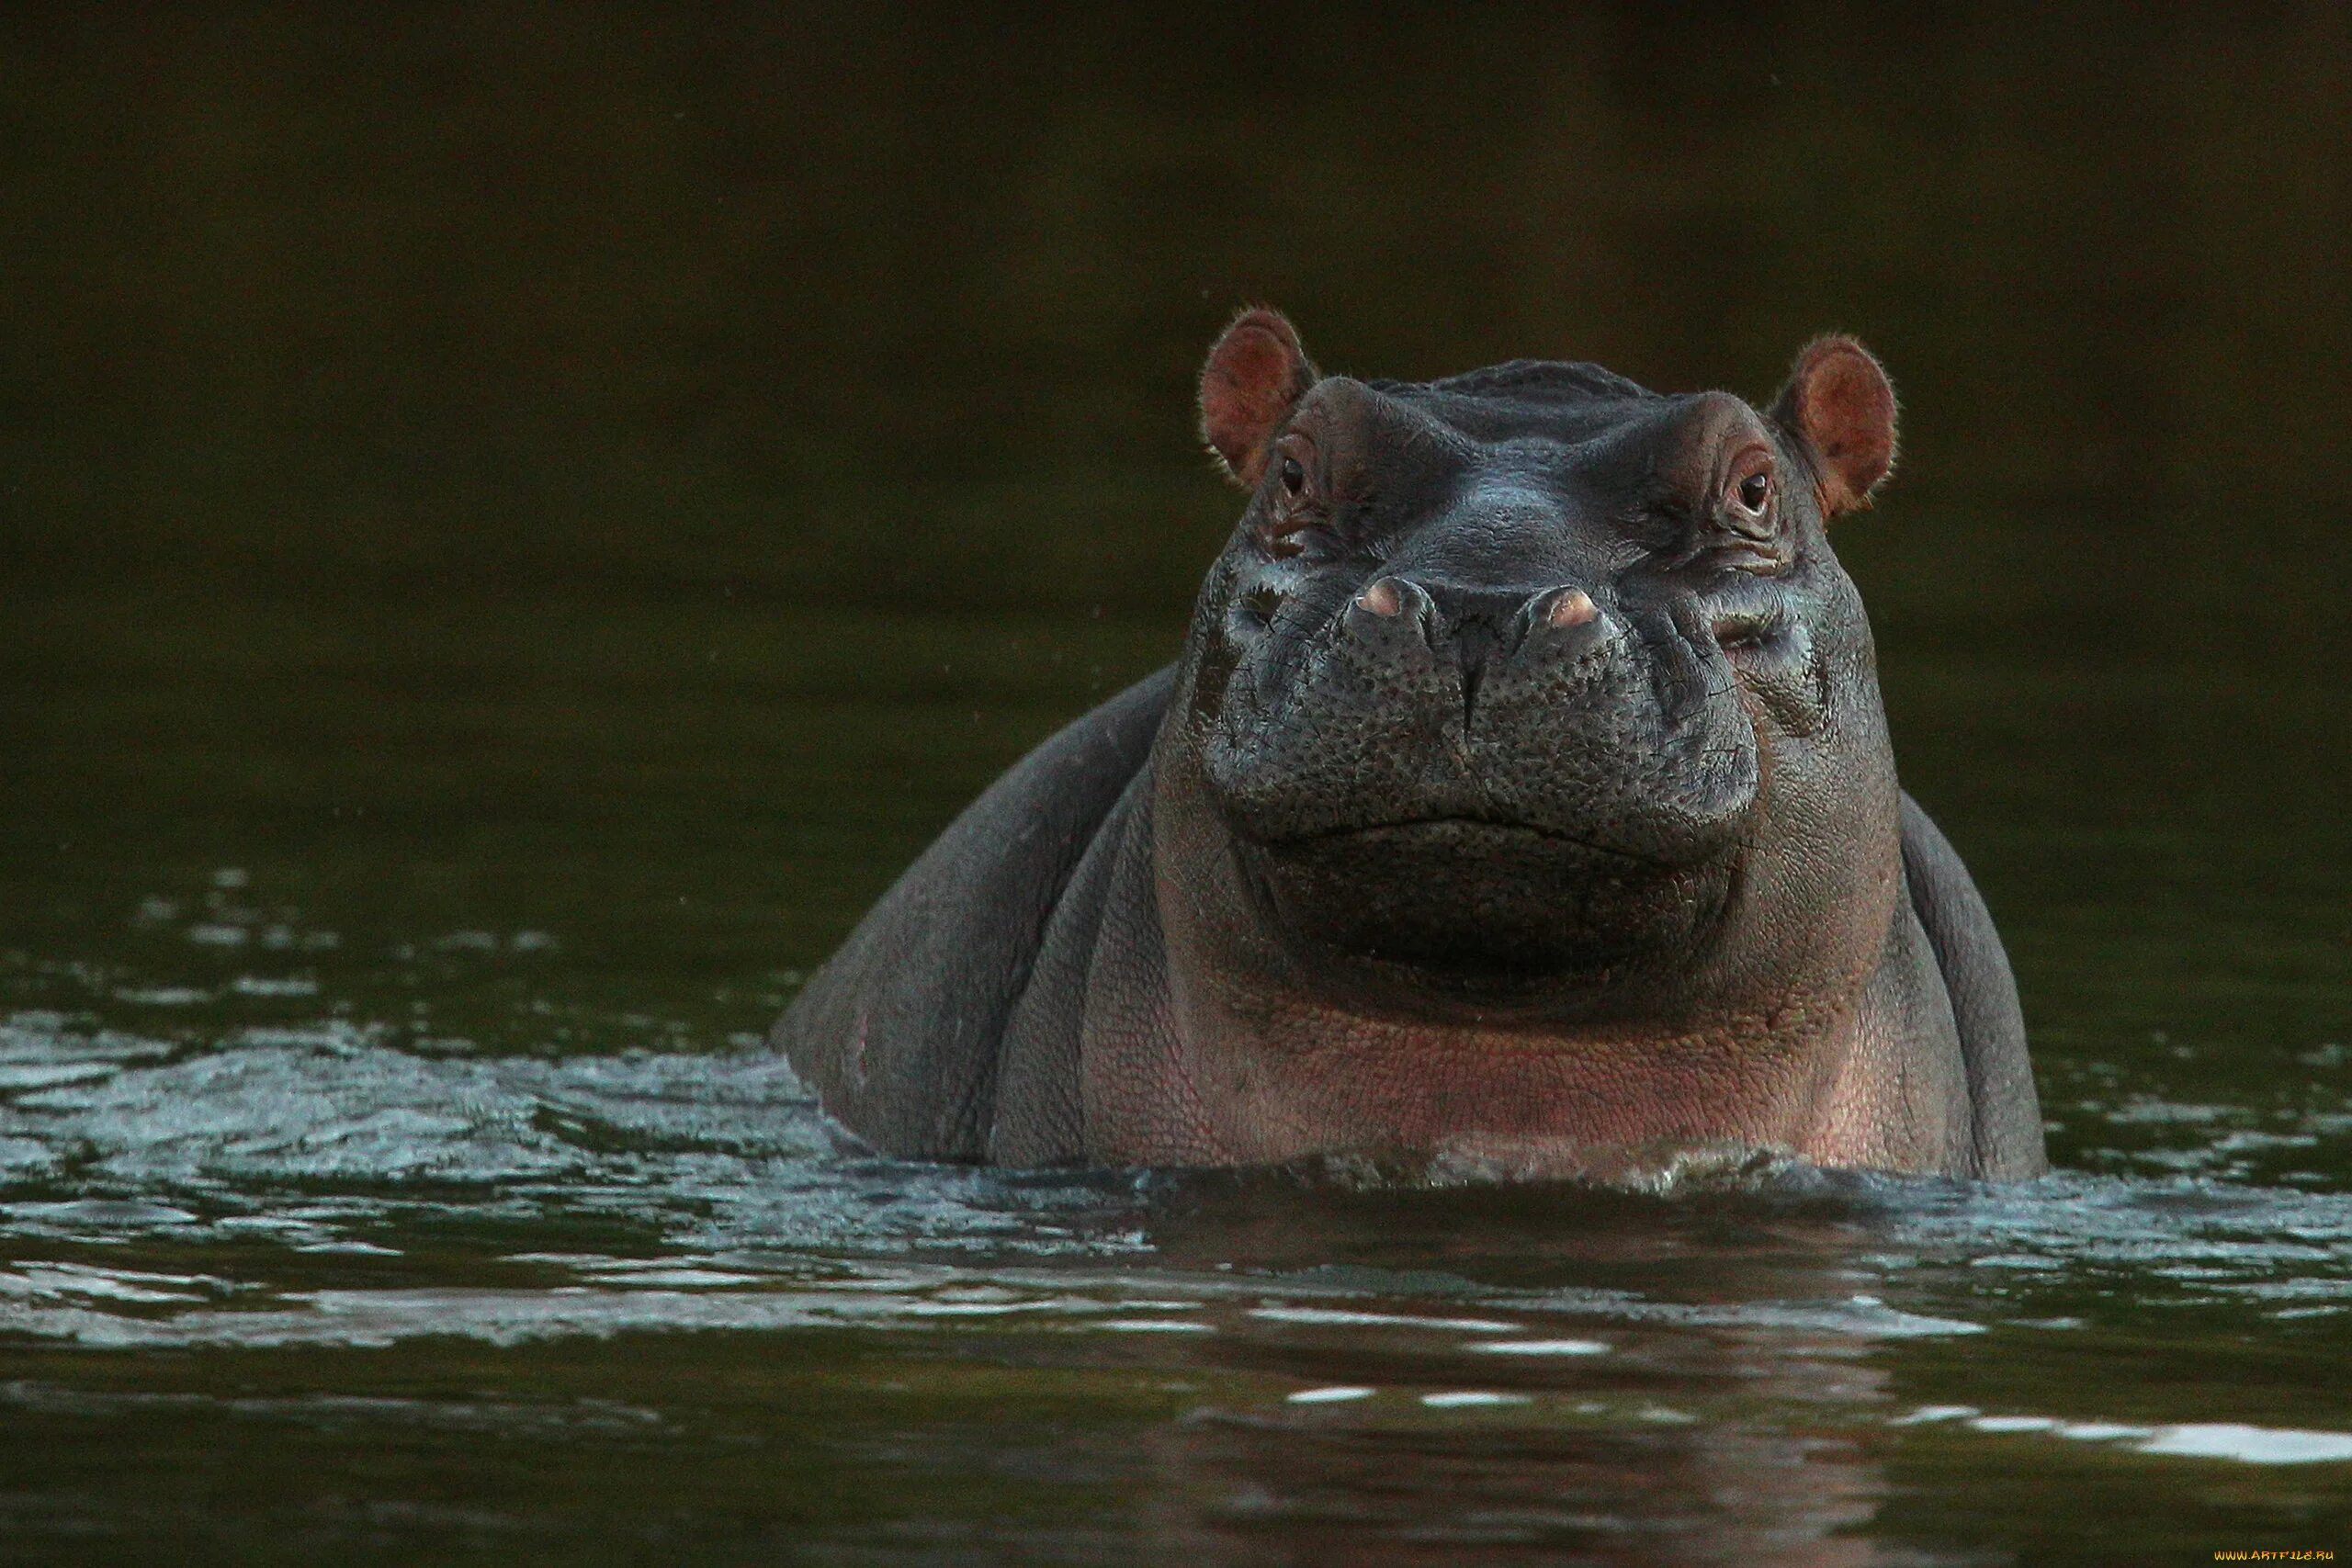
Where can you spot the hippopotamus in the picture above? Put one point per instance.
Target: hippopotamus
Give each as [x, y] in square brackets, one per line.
[1522, 793]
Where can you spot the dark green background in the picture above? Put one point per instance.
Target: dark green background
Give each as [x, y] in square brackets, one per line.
[902, 306]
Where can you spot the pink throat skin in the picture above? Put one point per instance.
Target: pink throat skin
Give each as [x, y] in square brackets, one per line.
[1314, 1082]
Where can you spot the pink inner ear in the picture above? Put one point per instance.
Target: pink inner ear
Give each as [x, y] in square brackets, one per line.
[1253, 376]
[1845, 406]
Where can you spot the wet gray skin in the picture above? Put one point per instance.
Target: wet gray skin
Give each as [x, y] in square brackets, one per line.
[1522, 798]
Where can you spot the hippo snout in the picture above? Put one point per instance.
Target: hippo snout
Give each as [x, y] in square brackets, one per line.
[1550, 707]
[1473, 629]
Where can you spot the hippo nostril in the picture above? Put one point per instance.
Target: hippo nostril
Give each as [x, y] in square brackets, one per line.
[1381, 598]
[1573, 607]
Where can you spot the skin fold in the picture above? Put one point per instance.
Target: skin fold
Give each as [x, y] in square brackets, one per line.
[1522, 796]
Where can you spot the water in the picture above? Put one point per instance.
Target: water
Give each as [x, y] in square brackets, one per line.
[444, 715]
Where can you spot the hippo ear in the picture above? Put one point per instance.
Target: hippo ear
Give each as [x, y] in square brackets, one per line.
[1254, 376]
[1840, 401]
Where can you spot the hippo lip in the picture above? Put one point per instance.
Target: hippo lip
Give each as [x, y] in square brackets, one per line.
[1498, 825]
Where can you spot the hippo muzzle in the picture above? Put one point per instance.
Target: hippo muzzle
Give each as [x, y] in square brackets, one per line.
[1500, 786]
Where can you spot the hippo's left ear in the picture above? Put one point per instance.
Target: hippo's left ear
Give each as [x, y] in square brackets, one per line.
[1255, 376]
[1841, 403]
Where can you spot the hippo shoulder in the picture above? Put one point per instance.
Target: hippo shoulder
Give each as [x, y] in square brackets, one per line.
[900, 1031]
[1975, 970]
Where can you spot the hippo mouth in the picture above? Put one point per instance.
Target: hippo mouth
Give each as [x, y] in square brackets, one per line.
[1484, 910]
[1454, 829]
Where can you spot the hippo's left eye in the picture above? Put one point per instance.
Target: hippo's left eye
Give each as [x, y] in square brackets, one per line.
[1755, 491]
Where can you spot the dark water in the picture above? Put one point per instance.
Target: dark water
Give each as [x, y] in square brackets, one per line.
[520, 523]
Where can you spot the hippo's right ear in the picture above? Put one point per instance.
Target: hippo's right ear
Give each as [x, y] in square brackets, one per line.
[1840, 402]
[1254, 376]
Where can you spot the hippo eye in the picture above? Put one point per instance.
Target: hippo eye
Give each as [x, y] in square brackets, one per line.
[1755, 491]
[1293, 477]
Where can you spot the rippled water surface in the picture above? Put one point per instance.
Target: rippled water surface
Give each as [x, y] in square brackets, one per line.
[517, 522]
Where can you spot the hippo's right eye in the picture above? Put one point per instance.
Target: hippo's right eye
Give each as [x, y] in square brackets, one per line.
[1746, 507]
[1293, 476]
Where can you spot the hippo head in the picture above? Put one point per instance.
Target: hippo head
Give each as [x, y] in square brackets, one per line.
[1528, 688]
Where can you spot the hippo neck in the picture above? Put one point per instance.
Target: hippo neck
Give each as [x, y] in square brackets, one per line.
[1275, 1083]
[1232, 1060]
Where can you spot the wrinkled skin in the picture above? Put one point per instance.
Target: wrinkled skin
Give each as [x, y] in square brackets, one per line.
[1522, 796]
